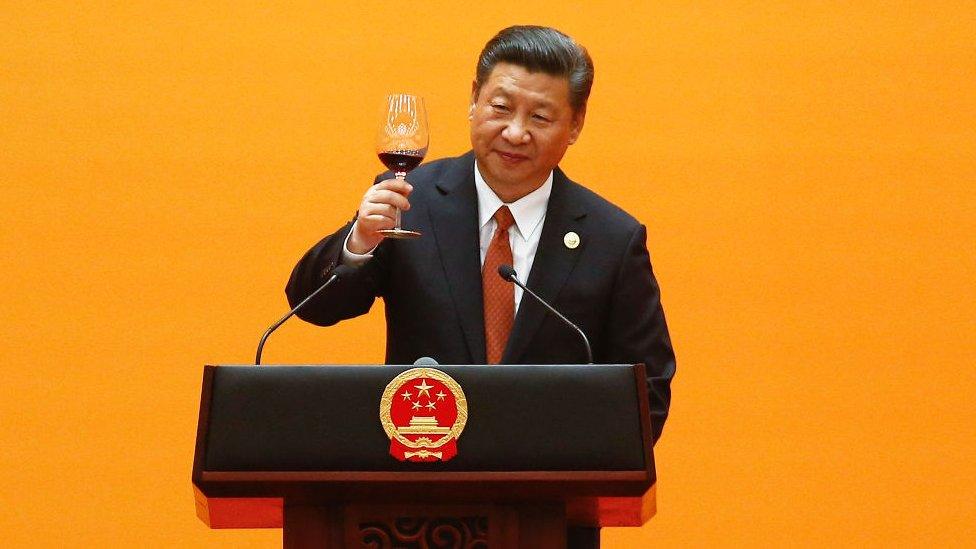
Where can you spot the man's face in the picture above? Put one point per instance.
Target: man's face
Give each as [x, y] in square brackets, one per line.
[521, 125]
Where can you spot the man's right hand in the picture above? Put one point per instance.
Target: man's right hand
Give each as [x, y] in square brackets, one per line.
[377, 211]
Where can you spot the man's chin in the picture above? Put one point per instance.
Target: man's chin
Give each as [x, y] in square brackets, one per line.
[506, 180]
[509, 172]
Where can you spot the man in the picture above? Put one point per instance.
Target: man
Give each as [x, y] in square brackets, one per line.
[505, 202]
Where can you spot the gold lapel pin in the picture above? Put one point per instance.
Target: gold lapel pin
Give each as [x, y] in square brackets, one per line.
[571, 240]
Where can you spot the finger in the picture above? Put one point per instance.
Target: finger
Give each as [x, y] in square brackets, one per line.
[375, 222]
[388, 197]
[396, 185]
[372, 208]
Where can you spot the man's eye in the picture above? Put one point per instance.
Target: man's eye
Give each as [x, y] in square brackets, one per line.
[540, 118]
[499, 107]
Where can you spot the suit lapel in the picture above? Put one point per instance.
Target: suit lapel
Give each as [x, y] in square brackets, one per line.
[454, 219]
[552, 265]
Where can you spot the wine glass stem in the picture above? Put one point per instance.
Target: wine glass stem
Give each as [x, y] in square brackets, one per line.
[400, 177]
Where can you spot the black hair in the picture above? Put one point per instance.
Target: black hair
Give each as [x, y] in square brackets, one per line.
[540, 49]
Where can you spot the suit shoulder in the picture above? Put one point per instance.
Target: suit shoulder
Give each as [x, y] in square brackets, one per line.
[436, 167]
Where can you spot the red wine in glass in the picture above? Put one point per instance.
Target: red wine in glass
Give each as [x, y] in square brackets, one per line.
[402, 161]
[401, 144]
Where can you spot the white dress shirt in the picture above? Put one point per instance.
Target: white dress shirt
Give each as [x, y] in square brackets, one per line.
[529, 213]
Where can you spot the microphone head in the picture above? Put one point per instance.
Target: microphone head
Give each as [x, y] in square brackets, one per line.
[507, 272]
[341, 271]
[425, 361]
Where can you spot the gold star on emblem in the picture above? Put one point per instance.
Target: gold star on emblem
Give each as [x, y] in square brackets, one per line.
[416, 405]
[406, 395]
[430, 405]
[423, 388]
[440, 395]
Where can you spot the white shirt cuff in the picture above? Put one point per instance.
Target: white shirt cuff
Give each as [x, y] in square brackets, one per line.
[352, 259]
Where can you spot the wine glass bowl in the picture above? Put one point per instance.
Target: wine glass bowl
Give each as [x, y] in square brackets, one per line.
[401, 144]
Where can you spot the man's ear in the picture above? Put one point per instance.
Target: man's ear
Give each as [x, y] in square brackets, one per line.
[578, 118]
[474, 98]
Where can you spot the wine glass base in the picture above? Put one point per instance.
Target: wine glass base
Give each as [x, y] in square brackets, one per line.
[400, 234]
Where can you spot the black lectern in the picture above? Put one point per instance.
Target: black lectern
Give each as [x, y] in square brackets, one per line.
[350, 456]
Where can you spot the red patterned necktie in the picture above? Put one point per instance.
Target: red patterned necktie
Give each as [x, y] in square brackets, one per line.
[499, 295]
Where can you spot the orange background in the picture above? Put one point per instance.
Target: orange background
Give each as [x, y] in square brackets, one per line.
[805, 169]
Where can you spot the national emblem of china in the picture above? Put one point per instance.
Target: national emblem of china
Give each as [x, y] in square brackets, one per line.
[423, 411]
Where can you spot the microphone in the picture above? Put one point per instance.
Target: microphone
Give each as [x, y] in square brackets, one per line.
[337, 273]
[425, 361]
[508, 273]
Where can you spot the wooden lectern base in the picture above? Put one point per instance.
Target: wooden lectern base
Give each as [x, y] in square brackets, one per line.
[541, 526]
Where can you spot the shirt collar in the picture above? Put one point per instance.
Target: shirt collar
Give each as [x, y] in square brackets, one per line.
[528, 211]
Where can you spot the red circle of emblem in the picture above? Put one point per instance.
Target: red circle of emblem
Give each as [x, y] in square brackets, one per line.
[423, 411]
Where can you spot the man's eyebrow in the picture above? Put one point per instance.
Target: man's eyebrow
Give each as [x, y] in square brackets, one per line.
[503, 90]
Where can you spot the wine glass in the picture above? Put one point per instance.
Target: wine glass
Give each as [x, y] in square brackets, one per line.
[402, 143]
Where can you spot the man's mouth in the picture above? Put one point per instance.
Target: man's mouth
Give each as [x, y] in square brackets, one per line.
[511, 157]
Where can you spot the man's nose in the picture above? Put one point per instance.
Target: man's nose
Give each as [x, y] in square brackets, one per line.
[515, 133]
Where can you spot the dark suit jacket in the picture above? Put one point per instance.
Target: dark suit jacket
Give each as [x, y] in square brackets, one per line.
[432, 285]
